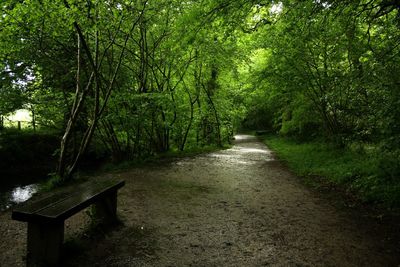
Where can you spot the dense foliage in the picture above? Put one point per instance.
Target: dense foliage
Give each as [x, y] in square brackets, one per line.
[139, 77]
[330, 70]
[134, 78]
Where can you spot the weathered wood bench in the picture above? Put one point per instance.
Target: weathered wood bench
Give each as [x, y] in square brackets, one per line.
[46, 216]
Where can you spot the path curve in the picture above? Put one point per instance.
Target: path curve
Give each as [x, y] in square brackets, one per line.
[235, 207]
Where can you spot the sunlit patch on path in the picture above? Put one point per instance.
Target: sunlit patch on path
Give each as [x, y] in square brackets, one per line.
[247, 150]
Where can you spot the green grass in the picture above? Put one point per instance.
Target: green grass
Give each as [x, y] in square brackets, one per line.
[357, 172]
[321, 159]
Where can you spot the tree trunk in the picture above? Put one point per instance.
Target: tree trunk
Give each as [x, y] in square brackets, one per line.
[33, 119]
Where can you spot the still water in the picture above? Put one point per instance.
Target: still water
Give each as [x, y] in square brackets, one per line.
[17, 195]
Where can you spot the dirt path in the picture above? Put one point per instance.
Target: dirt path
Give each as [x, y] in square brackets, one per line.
[237, 207]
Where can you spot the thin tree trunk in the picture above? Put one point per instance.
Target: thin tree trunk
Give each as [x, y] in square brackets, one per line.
[183, 143]
[33, 119]
[219, 141]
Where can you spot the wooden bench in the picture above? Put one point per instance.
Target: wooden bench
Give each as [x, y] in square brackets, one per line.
[46, 215]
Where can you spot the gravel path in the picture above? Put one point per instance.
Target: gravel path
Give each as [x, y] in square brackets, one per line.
[235, 207]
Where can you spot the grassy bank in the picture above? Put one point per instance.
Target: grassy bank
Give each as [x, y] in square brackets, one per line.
[357, 172]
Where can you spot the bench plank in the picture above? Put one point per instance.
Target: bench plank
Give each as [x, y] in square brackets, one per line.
[30, 207]
[69, 206]
[62, 205]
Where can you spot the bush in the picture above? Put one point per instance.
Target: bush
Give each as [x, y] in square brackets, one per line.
[26, 146]
[26, 156]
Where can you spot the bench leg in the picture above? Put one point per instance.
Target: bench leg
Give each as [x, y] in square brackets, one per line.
[105, 210]
[44, 244]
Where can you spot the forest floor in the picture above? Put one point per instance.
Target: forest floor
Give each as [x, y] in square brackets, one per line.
[234, 207]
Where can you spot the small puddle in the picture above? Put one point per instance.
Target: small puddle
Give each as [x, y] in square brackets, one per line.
[17, 195]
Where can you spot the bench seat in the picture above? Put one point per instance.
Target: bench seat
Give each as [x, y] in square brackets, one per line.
[63, 204]
[46, 214]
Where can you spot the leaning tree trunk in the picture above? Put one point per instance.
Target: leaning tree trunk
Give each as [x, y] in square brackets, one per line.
[67, 163]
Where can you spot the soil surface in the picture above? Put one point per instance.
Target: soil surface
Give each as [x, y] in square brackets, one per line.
[235, 207]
